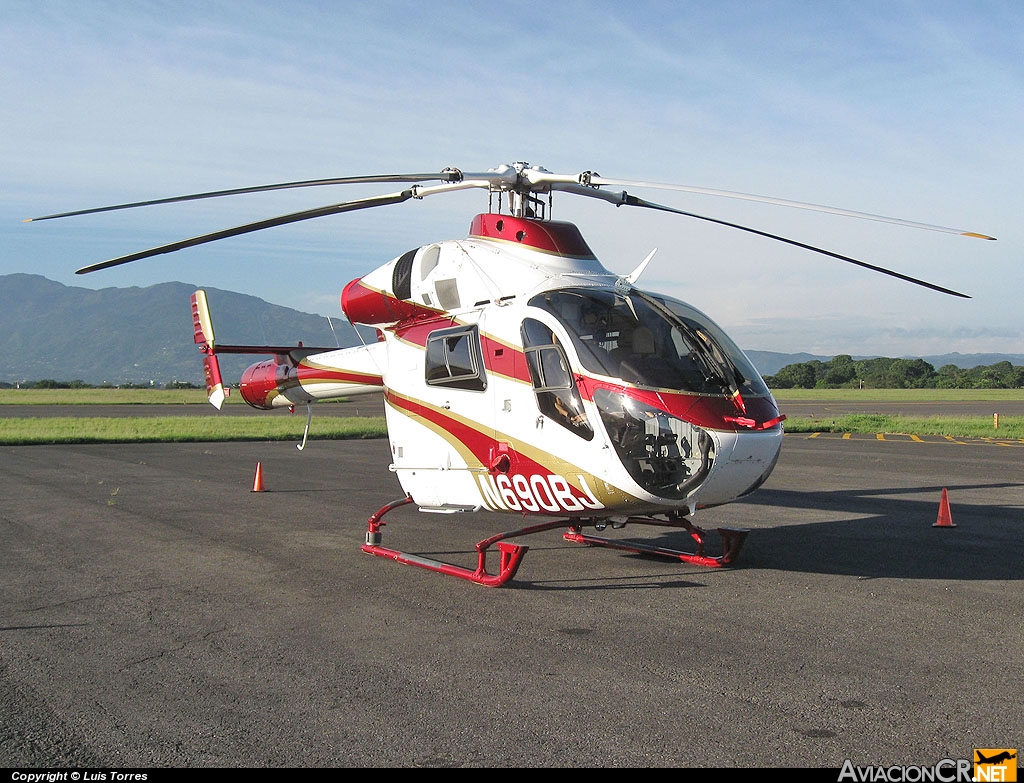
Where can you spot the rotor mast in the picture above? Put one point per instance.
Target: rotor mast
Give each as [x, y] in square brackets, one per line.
[521, 182]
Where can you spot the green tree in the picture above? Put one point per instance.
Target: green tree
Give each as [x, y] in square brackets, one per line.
[796, 376]
[887, 373]
[874, 372]
[909, 374]
[839, 371]
[949, 376]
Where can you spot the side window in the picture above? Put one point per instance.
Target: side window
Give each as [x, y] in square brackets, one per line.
[454, 359]
[557, 396]
[548, 369]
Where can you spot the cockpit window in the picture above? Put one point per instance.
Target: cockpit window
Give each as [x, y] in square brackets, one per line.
[557, 396]
[651, 341]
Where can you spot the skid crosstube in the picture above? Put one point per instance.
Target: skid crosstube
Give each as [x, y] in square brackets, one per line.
[732, 542]
[510, 555]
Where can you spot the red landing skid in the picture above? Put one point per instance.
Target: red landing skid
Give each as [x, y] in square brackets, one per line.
[511, 555]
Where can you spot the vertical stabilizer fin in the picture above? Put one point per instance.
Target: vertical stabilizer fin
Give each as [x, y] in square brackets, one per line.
[201, 321]
[203, 328]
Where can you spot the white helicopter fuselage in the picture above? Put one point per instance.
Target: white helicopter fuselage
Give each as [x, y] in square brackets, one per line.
[508, 363]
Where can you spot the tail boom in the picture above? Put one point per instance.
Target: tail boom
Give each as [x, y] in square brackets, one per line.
[296, 374]
[287, 380]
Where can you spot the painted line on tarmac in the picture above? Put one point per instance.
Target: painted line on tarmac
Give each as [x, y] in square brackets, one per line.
[890, 437]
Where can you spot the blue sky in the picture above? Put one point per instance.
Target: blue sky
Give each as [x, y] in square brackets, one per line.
[908, 109]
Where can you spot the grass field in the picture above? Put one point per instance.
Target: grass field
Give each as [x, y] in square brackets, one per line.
[108, 397]
[170, 429]
[127, 429]
[1010, 427]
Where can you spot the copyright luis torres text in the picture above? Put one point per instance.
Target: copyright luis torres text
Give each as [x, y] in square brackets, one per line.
[92, 776]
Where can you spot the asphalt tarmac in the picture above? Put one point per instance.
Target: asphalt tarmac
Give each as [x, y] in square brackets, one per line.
[156, 612]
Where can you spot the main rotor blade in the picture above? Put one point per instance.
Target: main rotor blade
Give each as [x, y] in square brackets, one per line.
[449, 175]
[294, 217]
[623, 198]
[597, 180]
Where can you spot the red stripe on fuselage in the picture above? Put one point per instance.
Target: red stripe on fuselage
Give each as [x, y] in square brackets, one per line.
[704, 410]
[499, 357]
[504, 359]
[417, 331]
[478, 441]
[307, 373]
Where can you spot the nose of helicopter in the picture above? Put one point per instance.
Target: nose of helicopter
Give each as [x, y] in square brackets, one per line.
[743, 462]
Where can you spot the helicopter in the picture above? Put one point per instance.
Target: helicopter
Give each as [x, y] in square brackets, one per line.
[521, 377]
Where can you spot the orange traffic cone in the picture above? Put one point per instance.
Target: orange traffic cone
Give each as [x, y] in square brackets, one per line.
[257, 483]
[945, 518]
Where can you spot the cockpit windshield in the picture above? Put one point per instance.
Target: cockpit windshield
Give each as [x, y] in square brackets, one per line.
[651, 341]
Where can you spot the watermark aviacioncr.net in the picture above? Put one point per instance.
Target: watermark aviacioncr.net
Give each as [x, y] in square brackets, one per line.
[990, 765]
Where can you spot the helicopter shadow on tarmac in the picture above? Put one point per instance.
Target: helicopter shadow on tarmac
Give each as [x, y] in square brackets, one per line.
[874, 536]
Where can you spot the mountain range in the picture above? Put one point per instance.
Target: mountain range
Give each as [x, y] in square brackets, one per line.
[136, 335]
[117, 336]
